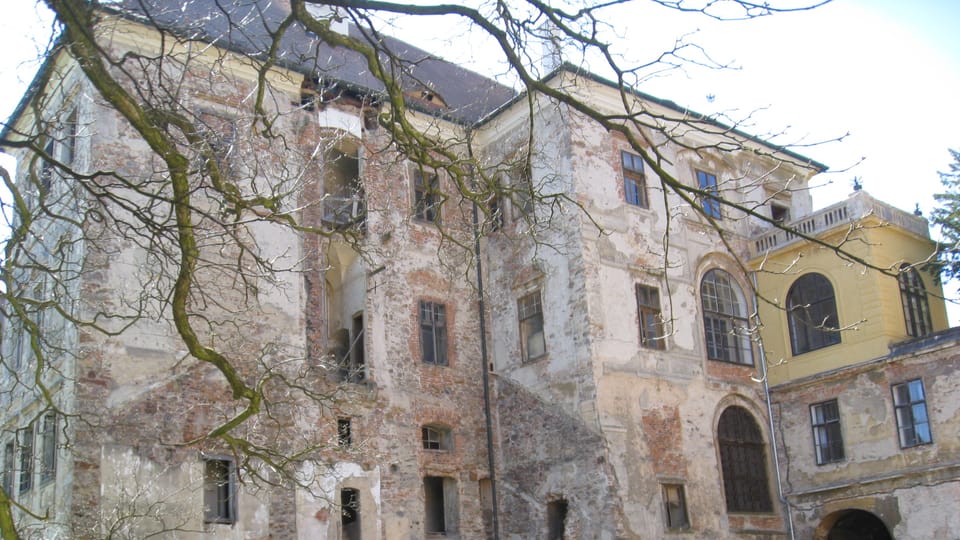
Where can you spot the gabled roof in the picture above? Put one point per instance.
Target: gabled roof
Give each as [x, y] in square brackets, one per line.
[245, 26]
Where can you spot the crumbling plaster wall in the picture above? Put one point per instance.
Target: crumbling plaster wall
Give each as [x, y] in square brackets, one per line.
[896, 484]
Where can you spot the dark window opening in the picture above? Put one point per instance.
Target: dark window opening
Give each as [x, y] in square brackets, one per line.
[219, 491]
[350, 514]
[710, 200]
[634, 180]
[344, 432]
[827, 438]
[910, 404]
[812, 314]
[532, 340]
[433, 333]
[556, 519]
[916, 308]
[779, 213]
[494, 214]
[651, 319]
[310, 92]
[726, 328]
[743, 462]
[426, 196]
[675, 507]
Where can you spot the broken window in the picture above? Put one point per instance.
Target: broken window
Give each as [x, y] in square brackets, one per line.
[779, 213]
[426, 195]
[725, 319]
[916, 309]
[556, 519]
[219, 490]
[48, 449]
[26, 459]
[710, 200]
[353, 360]
[634, 180]
[910, 405]
[436, 437]
[440, 505]
[344, 432]
[743, 461]
[812, 314]
[349, 514]
[494, 214]
[827, 438]
[675, 507]
[532, 341]
[433, 333]
[344, 202]
[651, 320]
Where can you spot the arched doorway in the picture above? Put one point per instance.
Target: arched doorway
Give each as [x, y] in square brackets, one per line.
[852, 525]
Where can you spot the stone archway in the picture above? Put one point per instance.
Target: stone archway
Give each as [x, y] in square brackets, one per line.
[852, 524]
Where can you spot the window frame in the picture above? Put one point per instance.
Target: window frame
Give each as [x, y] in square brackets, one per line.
[225, 492]
[827, 432]
[426, 195]
[650, 317]
[910, 408]
[746, 486]
[434, 337]
[710, 201]
[812, 305]
[531, 322]
[26, 446]
[436, 437]
[916, 306]
[682, 521]
[634, 180]
[723, 303]
[48, 448]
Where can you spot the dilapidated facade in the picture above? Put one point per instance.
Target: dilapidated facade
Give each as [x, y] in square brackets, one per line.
[587, 369]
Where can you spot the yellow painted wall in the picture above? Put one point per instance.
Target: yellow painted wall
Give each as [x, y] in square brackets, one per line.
[869, 308]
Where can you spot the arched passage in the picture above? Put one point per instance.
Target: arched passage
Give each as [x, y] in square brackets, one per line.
[852, 525]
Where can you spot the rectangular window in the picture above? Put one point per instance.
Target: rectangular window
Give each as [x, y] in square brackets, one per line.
[827, 439]
[9, 463]
[426, 196]
[344, 432]
[219, 490]
[910, 404]
[26, 459]
[532, 341]
[433, 333]
[48, 451]
[675, 507]
[634, 181]
[436, 438]
[651, 321]
[710, 201]
[523, 195]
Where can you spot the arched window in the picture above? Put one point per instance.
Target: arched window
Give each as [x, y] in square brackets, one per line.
[812, 314]
[743, 461]
[725, 319]
[916, 310]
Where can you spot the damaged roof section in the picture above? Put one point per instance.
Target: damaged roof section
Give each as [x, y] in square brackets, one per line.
[431, 84]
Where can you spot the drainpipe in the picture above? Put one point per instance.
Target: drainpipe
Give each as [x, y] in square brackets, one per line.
[766, 394]
[481, 309]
